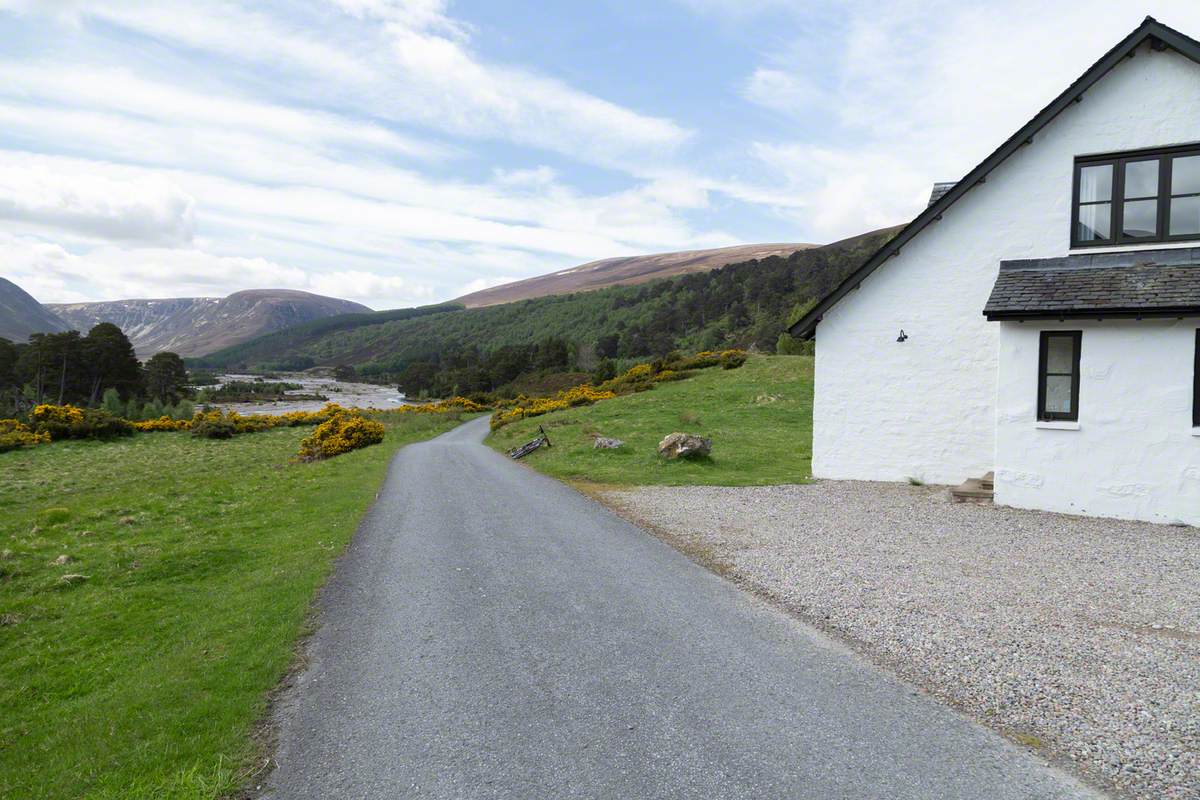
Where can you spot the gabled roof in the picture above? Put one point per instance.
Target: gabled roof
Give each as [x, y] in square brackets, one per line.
[1151, 30]
[1143, 283]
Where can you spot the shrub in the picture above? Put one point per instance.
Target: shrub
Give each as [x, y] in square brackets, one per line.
[637, 378]
[606, 370]
[14, 435]
[341, 433]
[70, 422]
[111, 402]
[732, 359]
[583, 395]
[214, 425]
[184, 409]
[163, 423]
[454, 404]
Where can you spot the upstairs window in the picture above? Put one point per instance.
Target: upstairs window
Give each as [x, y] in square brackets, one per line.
[1136, 197]
[1058, 376]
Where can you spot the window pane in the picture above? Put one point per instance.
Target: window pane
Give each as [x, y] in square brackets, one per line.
[1058, 394]
[1095, 222]
[1185, 175]
[1141, 218]
[1141, 178]
[1095, 183]
[1185, 216]
[1060, 354]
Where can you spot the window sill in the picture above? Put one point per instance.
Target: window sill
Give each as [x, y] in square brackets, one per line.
[1128, 247]
[1060, 426]
[1195, 431]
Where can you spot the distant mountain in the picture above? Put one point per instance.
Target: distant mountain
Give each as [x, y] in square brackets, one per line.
[21, 315]
[745, 304]
[195, 326]
[625, 271]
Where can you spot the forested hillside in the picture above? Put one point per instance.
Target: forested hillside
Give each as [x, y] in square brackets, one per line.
[443, 348]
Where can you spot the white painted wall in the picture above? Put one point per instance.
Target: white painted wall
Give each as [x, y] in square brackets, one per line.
[1134, 454]
[927, 408]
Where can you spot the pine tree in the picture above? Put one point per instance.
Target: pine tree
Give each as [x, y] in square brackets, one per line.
[166, 377]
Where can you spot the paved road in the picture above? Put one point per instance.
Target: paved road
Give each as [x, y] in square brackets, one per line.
[493, 634]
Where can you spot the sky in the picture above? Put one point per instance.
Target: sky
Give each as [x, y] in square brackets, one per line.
[404, 152]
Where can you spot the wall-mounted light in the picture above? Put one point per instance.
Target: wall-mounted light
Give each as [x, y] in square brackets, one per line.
[903, 337]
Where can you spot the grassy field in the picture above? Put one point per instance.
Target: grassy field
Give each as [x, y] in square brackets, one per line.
[759, 418]
[147, 677]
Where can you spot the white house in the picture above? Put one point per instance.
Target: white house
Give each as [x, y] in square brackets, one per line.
[1050, 309]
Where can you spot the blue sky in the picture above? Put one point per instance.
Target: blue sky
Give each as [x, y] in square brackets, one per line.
[400, 152]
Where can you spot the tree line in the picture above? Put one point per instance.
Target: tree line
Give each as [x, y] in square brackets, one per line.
[100, 367]
[745, 305]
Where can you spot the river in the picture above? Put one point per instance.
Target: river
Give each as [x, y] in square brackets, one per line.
[350, 395]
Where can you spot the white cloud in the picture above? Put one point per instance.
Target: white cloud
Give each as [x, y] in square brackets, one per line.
[839, 192]
[781, 90]
[922, 90]
[144, 208]
[369, 287]
[53, 274]
[190, 113]
[409, 63]
[325, 178]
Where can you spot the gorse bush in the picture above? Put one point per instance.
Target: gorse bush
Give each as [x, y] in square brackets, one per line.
[214, 425]
[459, 404]
[15, 435]
[732, 359]
[638, 378]
[71, 422]
[341, 433]
[163, 423]
[523, 407]
[50, 422]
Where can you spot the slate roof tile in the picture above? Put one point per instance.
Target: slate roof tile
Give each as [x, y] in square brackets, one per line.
[1147, 282]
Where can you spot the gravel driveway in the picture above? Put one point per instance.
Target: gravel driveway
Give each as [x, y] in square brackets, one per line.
[1076, 636]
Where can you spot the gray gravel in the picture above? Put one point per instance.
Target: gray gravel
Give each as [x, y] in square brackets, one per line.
[491, 633]
[1078, 636]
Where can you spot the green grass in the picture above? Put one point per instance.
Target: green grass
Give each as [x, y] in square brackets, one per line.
[759, 418]
[148, 678]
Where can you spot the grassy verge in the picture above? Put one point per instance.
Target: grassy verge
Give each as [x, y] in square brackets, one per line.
[146, 678]
[759, 418]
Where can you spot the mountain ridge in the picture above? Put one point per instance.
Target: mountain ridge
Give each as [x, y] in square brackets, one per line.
[21, 314]
[625, 271]
[196, 326]
[746, 304]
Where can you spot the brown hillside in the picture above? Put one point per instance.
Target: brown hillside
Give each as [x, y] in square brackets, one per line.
[624, 270]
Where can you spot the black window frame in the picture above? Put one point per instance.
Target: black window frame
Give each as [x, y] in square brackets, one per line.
[1117, 201]
[1196, 385]
[1043, 351]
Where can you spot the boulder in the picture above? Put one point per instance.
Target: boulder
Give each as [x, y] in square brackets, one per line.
[684, 445]
[606, 443]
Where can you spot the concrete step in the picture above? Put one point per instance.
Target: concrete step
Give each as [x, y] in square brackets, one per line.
[972, 490]
[988, 481]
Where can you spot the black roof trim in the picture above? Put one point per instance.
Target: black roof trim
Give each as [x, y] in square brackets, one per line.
[1109, 313]
[1150, 30]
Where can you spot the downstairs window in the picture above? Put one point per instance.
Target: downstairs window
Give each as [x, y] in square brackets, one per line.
[1058, 376]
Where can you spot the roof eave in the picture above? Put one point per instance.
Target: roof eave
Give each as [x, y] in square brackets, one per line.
[1177, 312]
[1149, 29]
